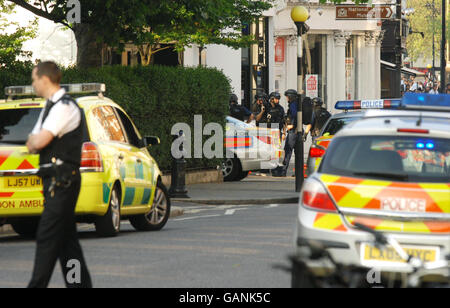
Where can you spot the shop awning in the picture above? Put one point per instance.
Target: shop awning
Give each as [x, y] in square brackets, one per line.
[405, 70]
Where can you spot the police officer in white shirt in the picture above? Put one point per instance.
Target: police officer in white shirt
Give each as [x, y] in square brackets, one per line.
[58, 137]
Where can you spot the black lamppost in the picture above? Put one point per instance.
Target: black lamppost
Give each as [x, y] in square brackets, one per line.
[434, 12]
[299, 15]
[398, 49]
[443, 50]
[432, 7]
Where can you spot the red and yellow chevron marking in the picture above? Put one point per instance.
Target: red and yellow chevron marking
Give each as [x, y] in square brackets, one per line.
[238, 142]
[324, 142]
[14, 159]
[327, 221]
[392, 196]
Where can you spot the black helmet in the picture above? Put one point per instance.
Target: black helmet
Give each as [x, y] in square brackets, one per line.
[275, 95]
[233, 98]
[317, 101]
[291, 94]
[260, 95]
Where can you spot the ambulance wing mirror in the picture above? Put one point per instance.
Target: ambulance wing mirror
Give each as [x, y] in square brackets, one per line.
[151, 140]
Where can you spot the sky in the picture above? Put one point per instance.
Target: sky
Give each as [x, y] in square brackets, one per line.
[53, 41]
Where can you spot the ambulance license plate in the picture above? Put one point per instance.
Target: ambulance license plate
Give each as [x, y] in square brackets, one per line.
[22, 182]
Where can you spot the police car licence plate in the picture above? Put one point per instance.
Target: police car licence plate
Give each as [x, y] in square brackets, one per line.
[22, 182]
[372, 256]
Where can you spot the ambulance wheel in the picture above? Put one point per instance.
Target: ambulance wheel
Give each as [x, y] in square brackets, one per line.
[231, 169]
[158, 215]
[26, 227]
[109, 225]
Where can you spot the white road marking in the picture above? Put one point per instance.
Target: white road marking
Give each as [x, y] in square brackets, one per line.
[272, 206]
[230, 212]
[190, 218]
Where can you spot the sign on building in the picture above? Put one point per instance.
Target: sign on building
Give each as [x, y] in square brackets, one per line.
[312, 86]
[346, 12]
[279, 50]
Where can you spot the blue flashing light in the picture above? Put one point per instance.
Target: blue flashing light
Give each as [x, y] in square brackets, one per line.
[368, 104]
[424, 101]
[420, 145]
[430, 145]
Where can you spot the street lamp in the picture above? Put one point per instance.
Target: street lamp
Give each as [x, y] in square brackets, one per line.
[299, 15]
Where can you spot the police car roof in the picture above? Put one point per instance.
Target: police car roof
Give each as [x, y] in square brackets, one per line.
[431, 127]
[349, 114]
[404, 113]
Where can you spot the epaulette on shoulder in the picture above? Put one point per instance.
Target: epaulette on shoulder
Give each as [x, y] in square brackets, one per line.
[67, 99]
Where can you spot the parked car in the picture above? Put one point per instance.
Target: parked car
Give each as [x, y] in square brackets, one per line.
[249, 148]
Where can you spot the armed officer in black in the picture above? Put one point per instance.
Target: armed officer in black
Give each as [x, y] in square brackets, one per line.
[238, 111]
[275, 113]
[58, 137]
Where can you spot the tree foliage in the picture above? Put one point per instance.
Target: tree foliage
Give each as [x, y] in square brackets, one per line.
[12, 37]
[151, 23]
[423, 21]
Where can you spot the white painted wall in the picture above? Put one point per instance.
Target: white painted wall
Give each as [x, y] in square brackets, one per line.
[229, 61]
[368, 81]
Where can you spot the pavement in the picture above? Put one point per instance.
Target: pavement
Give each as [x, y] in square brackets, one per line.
[255, 189]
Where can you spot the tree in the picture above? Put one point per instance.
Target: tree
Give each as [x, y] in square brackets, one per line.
[423, 21]
[149, 23]
[12, 37]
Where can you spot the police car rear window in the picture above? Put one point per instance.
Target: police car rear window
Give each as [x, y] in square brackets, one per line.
[392, 158]
[335, 125]
[16, 125]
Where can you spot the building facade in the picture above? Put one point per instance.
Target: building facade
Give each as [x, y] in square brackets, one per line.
[341, 58]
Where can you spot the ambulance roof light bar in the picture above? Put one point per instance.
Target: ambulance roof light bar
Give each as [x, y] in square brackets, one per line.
[79, 88]
[426, 102]
[368, 104]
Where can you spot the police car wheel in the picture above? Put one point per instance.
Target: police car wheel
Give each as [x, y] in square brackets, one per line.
[243, 175]
[159, 214]
[109, 225]
[231, 169]
[26, 227]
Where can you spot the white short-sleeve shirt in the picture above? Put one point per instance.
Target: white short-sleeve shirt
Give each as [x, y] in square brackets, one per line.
[62, 118]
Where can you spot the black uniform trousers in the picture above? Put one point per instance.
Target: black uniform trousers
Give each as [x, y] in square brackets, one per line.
[57, 238]
[289, 147]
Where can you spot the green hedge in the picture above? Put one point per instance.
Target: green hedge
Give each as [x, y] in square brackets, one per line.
[156, 97]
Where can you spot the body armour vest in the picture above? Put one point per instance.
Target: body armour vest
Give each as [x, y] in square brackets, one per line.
[68, 147]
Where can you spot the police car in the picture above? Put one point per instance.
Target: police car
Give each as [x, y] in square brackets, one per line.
[354, 110]
[120, 180]
[390, 172]
[249, 148]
